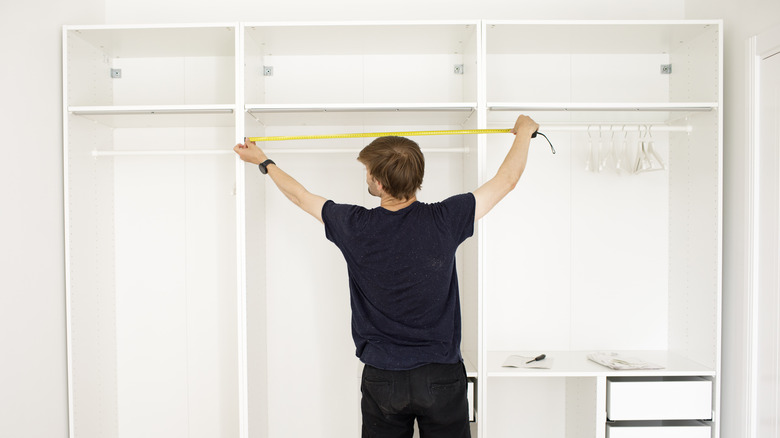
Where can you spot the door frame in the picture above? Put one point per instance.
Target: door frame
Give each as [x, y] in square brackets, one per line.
[760, 47]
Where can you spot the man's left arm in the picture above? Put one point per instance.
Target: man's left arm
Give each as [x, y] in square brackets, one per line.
[292, 189]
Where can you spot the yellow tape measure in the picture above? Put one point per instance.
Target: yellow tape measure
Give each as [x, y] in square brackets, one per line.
[381, 134]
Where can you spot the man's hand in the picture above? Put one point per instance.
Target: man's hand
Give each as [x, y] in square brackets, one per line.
[250, 153]
[291, 188]
[525, 125]
[508, 174]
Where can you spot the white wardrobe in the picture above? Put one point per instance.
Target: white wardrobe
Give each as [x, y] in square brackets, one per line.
[201, 303]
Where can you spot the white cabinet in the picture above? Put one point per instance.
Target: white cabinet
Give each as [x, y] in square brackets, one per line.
[201, 301]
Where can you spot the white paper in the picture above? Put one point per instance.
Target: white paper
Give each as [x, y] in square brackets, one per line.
[616, 361]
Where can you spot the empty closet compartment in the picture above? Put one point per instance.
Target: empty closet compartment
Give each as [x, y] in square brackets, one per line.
[358, 64]
[151, 213]
[659, 398]
[149, 65]
[151, 277]
[659, 429]
[152, 295]
[661, 62]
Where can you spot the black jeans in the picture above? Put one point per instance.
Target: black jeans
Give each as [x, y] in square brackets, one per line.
[434, 394]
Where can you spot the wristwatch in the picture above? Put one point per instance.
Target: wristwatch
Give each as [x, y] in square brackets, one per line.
[264, 166]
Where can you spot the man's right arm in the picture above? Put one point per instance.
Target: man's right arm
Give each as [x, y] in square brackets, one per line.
[507, 176]
[289, 186]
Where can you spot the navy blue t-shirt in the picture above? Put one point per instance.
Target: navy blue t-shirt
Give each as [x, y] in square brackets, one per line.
[402, 280]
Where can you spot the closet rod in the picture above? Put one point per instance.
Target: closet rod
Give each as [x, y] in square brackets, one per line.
[162, 152]
[355, 151]
[594, 128]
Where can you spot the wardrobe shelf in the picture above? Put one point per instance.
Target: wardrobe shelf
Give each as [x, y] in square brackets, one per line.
[139, 116]
[373, 114]
[577, 364]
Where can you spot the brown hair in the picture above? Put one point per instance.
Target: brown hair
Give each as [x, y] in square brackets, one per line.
[397, 163]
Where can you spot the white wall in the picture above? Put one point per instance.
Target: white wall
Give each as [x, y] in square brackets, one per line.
[33, 377]
[742, 19]
[126, 11]
[33, 397]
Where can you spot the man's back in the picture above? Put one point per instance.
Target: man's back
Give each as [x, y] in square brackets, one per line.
[402, 278]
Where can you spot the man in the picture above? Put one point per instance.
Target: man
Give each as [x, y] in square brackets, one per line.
[402, 280]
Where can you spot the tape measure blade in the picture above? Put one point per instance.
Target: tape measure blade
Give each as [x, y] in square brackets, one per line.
[381, 134]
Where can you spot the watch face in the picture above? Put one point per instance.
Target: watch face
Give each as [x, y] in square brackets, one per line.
[264, 166]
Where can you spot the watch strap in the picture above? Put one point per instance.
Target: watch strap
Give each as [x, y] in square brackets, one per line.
[264, 166]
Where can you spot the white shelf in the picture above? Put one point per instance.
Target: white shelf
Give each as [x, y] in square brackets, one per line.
[577, 364]
[138, 116]
[363, 114]
[605, 106]
[599, 112]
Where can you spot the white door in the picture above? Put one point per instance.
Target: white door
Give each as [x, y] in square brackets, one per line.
[765, 401]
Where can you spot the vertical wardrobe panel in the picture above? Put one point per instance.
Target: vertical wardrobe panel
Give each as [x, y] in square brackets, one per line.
[470, 275]
[92, 279]
[413, 78]
[695, 60]
[329, 78]
[619, 251]
[547, 77]
[89, 79]
[177, 372]
[152, 356]
[619, 78]
[185, 80]
[526, 407]
[203, 79]
[527, 254]
[311, 357]
[582, 407]
[694, 241]
[256, 303]
[696, 201]
[211, 302]
[768, 315]
[149, 81]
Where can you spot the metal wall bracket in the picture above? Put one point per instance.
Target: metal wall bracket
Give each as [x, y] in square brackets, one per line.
[268, 70]
[116, 73]
[666, 69]
[458, 69]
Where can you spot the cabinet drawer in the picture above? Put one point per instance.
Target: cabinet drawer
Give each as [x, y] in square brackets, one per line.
[659, 398]
[692, 429]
